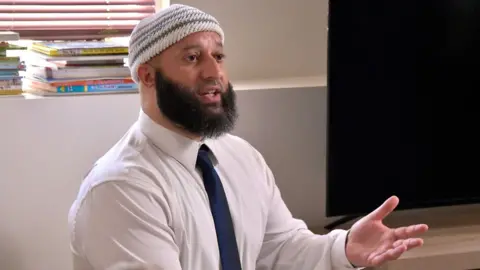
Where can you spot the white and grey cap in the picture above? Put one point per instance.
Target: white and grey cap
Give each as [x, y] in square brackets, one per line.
[157, 32]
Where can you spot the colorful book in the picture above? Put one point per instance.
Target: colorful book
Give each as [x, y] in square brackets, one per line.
[10, 80]
[76, 58]
[65, 64]
[9, 59]
[11, 66]
[9, 73]
[5, 46]
[78, 72]
[10, 46]
[10, 87]
[65, 48]
[56, 83]
[11, 92]
[82, 86]
[88, 89]
[102, 88]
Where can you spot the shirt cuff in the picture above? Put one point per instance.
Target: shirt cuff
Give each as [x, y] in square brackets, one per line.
[339, 256]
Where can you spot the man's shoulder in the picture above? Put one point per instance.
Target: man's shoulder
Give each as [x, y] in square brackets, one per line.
[110, 185]
[117, 174]
[135, 170]
[126, 162]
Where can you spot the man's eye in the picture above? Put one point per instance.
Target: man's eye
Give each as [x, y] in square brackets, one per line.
[220, 57]
[192, 58]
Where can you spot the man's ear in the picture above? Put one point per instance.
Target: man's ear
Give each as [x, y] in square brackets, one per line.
[146, 75]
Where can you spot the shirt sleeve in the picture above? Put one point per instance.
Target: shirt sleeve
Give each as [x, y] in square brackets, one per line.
[289, 245]
[126, 222]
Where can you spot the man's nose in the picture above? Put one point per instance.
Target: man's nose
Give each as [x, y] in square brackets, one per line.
[211, 69]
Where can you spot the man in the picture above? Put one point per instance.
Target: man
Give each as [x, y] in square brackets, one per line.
[178, 192]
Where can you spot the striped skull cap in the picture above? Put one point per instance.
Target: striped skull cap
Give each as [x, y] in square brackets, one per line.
[159, 31]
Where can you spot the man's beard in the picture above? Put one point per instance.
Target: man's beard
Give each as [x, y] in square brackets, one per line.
[182, 106]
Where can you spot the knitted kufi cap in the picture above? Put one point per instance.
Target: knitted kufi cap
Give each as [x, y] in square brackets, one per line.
[157, 32]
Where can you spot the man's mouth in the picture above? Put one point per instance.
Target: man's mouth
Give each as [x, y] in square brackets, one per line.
[210, 92]
[210, 95]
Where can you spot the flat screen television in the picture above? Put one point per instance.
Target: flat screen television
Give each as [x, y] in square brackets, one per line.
[403, 104]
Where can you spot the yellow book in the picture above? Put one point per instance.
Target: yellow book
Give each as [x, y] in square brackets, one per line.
[11, 92]
[5, 59]
[65, 48]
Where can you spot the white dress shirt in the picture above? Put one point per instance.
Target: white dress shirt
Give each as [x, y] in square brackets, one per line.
[144, 201]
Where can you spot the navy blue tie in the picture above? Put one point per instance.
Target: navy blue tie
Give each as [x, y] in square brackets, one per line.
[227, 243]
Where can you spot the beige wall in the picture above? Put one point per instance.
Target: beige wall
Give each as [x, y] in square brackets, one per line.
[271, 38]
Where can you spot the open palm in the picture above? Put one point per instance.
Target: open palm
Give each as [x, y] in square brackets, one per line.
[370, 243]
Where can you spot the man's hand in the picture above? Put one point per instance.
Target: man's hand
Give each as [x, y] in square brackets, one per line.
[371, 244]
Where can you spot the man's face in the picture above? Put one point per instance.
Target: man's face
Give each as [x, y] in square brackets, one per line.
[192, 87]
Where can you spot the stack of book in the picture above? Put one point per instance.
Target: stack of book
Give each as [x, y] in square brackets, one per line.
[66, 68]
[10, 65]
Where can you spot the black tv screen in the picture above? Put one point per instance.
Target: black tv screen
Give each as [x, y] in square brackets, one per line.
[403, 104]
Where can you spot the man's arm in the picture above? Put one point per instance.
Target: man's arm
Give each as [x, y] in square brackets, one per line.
[289, 245]
[122, 221]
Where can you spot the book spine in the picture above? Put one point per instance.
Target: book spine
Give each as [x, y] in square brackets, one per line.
[10, 66]
[10, 81]
[9, 73]
[78, 52]
[97, 88]
[11, 92]
[10, 59]
[91, 82]
[10, 87]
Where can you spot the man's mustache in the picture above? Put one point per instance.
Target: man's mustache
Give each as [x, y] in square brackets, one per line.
[211, 83]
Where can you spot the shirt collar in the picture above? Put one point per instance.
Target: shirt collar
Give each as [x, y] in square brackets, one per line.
[181, 148]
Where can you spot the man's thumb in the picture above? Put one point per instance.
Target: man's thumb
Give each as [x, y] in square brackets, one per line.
[385, 209]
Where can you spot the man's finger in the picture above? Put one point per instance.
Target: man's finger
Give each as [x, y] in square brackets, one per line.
[389, 255]
[409, 243]
[384, 210]
[395, 251]
[410, 231]
[413, 243]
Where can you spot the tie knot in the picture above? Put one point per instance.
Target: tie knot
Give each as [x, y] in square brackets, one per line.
[203, 159]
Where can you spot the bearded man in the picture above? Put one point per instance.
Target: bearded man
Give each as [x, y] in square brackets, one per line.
[179, 192]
